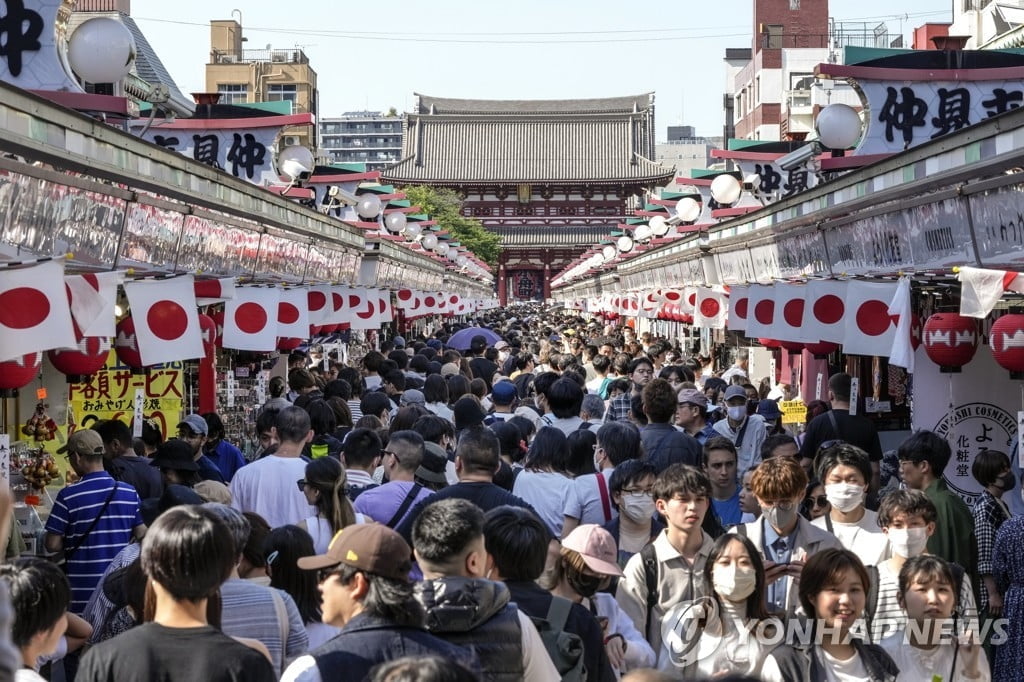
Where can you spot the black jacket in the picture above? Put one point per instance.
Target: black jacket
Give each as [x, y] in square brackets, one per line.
[664, 445]
[368, 640]
[476, 614]
[800, 663]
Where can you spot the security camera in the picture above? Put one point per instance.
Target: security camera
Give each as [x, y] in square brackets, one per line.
[340, 196]
[798, 157]
[295, 171]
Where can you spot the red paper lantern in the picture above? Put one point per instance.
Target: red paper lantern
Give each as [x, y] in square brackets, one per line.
[208, 329]
[950, 340]
[19, 372]
[770, 343]
[218, 321]
[286, 345]
[88, 357]
[821, 349]
[792, 346]
[127, 345]
[1007, 339]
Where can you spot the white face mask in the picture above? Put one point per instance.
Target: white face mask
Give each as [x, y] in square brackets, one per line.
[908, 542]
[734, 583]
[639, 507]
[737, 413]
[844, 496]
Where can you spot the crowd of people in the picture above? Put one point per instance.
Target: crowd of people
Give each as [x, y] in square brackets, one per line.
[558, 501]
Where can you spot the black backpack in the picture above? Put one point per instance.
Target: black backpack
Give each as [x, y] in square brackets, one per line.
[565, 648]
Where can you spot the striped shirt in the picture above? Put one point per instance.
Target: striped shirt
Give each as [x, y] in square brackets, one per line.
[73, 513]
[249, 610]
[890, 617]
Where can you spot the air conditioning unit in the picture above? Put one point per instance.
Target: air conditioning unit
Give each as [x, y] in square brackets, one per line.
[290, 141]
[279, 57]
[227, 59]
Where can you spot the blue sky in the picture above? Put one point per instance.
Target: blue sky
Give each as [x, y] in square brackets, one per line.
[376, 55]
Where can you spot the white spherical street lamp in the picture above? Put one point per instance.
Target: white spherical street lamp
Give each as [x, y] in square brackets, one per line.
[726, 189]
[838, 126]
[368, 206]
[395, 222]
[101, 50]
[688, 209]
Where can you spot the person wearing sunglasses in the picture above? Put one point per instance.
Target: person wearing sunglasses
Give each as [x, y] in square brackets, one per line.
[815, 504]
[366, 590]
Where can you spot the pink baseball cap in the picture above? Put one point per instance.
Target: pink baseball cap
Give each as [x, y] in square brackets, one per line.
[596, 546]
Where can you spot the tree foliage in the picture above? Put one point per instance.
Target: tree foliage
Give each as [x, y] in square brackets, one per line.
[445, 206]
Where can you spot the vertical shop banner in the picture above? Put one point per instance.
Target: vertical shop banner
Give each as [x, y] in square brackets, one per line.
[111, 395]
[983, 416]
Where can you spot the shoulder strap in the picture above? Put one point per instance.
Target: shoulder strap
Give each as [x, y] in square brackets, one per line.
[742, 433]
[835, 424]
[602, 487]
[558, 613]
[584, 426]
[283, 623]
[92, 526]
[404, 507]
[828, 522]
[958, 582]
[740, 529]
[650, 562]
[872, 599]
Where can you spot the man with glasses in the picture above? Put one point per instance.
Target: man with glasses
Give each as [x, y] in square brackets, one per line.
[691, 414]
[782, 536]
[640, 371]
[590, 500]
[389, 503]
[364, 582]
[194, 430]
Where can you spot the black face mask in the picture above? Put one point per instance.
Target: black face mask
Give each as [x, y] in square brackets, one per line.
[583, 585]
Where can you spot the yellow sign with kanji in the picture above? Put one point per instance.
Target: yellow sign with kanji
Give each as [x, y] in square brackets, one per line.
[111, 395]
[793, 411]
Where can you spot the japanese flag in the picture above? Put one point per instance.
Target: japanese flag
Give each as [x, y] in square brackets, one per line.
[93, 297]
[709, 312]
[407, 299]
[790, 304]
[250, 319]
[981, 289]
[210, 291]
[428, 305]
[364, 304]
[870, 330]
[902, 353]
[166, 320]
[339, 306]
[739, 305]
[293, 314]
[825, 311]
[761, 307]
[318, 301]
[385, 312]
[34, 310]
[688, 304]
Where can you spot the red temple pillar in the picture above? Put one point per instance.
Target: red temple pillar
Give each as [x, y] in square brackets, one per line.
[547, 281]
[502, 286]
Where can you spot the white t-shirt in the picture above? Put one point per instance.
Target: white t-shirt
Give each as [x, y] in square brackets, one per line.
[546, 492]
[864, 538]
[922, 664]
[584, 499]
[836, 670]
[537, 665]
[268, 488]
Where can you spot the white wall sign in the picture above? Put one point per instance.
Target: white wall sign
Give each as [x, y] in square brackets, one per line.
[906, 114]
[33, 54]
[244, 153]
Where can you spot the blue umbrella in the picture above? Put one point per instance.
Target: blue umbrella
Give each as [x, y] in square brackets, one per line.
[461, 339]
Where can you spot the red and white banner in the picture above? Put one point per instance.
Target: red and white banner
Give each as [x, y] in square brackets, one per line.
[739, 307]
[825, 311]
[166, 320]
[385, 312]
[869, 328]
[981, 289]
[318, 303]
[210, 291]
[34, 310]
[293, 314]
[363, 304]
[710, 310]
[790, 313]
[250, 319]
[688, 302]
[339, 306]
[761, 311]
[407, 299]
[93, 297]
[902, 352]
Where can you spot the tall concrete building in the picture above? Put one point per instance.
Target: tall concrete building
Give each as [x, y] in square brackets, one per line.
[369, 137]
[241, 75]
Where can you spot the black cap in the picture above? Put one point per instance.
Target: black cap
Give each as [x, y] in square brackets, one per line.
[175, 454]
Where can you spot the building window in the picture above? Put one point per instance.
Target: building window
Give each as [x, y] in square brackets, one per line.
[772, 36]
[233, 93]
[281, 92]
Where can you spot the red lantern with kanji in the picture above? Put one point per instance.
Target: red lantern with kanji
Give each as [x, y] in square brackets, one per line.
[770, 343]
[950, 340]
[286, 345]
[821, 349]
[127, 345]
[208, 329]
[19, 372]
[1007, 339]
[88, 357]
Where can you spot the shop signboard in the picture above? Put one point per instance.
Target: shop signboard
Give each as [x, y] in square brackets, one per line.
[999, 226]
[111, 395]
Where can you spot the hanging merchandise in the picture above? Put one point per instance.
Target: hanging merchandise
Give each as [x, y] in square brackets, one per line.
[40, 427]
[950, 340]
